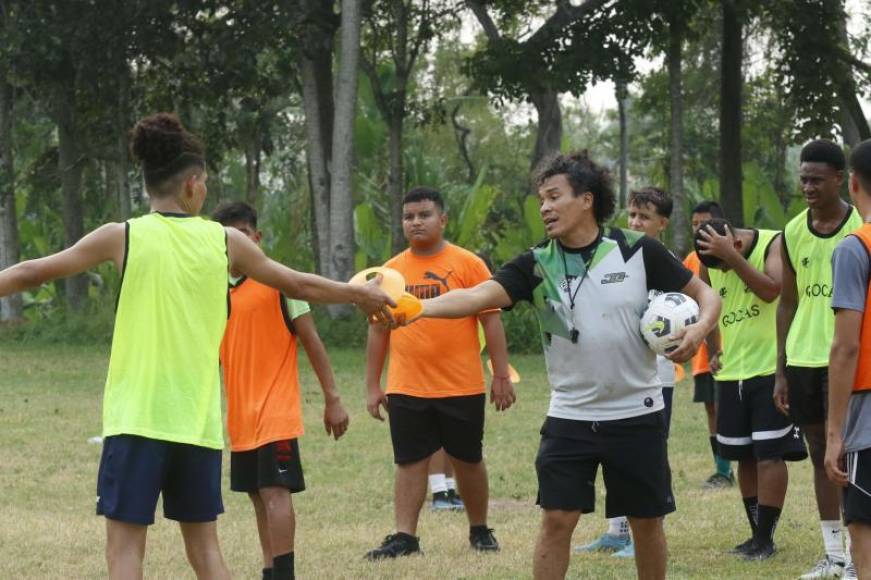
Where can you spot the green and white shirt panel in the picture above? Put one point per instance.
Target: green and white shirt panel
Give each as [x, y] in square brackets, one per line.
[596, 296]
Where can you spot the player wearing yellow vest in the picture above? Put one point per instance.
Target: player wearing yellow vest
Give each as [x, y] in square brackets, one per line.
[848, 425]
[704, 385]
[162, 406]
[805, 325]
[743, 266]
[264, 411]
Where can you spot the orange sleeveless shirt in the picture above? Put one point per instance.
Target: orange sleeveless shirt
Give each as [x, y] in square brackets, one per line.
[862, 381]
[700, 360]
[259, 358]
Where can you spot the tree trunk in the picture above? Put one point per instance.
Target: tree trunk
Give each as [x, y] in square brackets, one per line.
[70, 169]
[316, 75]
[622, 102]
[854, 124]
[731, 194]
[10, 251]
[461, 133]
[549, 136]
[341, 183]
[395, 181]
[122, 125]
[680, 224]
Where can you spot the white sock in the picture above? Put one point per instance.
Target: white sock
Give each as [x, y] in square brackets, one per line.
[618, 526]
[451, 483]
[437, 482]
[833, 539]
[849, 544]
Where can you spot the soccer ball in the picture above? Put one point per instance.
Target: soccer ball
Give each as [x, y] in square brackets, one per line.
[666, 314]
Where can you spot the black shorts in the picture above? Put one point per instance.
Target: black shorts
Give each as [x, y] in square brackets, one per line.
[633, 454]
[275, 464]
[705, 388]
[857, 495]
[808, 394]
[135, 470]
[750, 426]
[420, 426]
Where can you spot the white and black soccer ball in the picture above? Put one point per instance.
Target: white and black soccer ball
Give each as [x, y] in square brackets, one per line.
[666, 314]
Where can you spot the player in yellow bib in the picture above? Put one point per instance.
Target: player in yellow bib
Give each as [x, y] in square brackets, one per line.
[743, 266]
[162, 405]
[806, 324]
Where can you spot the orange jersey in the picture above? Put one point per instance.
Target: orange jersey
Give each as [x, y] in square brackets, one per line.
[258, 356]
[700, 362]
[435, 358]
[862, 379]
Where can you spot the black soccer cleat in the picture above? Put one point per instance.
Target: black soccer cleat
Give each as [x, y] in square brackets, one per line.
[395, 545]
[760, 552]
[742, 548]
[483, 540]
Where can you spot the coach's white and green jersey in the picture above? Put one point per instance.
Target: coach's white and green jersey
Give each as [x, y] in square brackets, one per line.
[589, 302]
[809, 254]
[747, 323]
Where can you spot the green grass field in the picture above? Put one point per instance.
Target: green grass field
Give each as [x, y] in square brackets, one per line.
[50, 399]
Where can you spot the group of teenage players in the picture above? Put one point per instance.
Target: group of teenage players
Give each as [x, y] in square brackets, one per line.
[610, 402]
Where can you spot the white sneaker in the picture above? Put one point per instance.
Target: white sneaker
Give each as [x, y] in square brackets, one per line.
[825, 568]
[850, 572]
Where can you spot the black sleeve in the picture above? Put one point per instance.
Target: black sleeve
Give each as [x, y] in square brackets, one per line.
[518, 277]
[664, 271]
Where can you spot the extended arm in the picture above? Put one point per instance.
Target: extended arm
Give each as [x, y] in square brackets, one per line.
[501, 391]
[335, 417]
[103, 244]
[488, 295]
[247, 258]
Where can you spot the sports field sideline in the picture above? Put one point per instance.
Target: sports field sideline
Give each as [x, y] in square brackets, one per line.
[50, 398]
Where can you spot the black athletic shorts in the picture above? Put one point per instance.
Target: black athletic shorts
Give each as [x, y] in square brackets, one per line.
[857, 495]
[633, 454]
[705, 388]
[808, 394]
[420, 426]
[135, 470]
[275, 464]
[750, 426]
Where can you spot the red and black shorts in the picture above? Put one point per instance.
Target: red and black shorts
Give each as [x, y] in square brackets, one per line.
[275, 464]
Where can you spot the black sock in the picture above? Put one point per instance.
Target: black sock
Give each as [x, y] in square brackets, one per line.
[751, 508]
[768, 517]
[282, 567]
[473, 530]
[267, 574]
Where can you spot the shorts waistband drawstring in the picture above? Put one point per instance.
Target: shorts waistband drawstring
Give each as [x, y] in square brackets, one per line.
[741, 390]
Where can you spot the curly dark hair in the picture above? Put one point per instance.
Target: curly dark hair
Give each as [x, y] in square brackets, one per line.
[165, 149]
[584, 175]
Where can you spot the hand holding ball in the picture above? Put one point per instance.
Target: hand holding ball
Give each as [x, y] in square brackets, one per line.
[665, 316]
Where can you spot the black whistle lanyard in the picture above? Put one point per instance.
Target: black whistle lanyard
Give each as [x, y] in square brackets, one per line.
[587, 263]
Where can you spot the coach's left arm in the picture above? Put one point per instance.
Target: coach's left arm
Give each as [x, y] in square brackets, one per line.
[709, 312]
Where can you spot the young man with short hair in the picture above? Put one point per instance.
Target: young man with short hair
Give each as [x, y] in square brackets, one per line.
[704, 386]
[743, 266]
[590, 286]
[264, 411]
[848, 425]
[435, 380]
[805, 326]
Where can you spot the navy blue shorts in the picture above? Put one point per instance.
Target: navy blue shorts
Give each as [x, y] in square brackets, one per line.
[135, 470]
